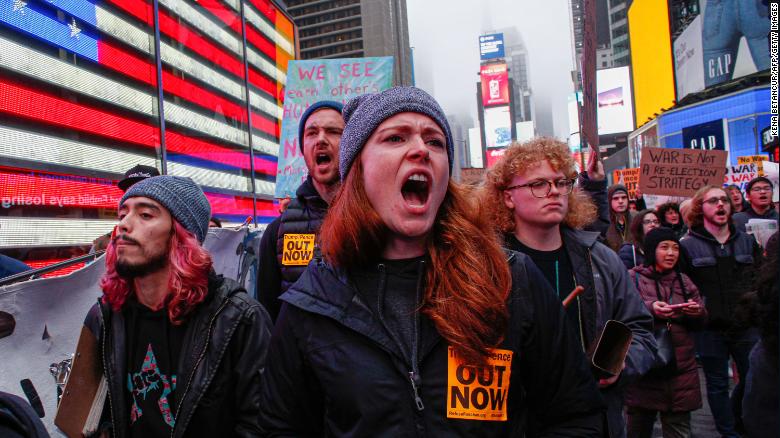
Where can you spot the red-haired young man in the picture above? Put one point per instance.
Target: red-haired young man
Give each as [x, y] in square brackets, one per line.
[182, 349]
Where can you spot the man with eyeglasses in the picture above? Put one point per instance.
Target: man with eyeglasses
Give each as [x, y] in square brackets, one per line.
[722, 261]
[759, 195]
[533, 202]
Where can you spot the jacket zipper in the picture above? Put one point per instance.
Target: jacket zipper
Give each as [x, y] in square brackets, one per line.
[414, 378]
[105, 372]
[197, 363]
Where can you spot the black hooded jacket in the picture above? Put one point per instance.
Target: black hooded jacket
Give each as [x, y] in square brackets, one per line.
[335, 371]
[221, 363]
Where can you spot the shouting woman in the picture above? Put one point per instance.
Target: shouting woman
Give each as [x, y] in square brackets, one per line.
[415, 322]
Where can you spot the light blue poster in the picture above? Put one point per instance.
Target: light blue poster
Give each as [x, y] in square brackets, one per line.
[321, 79]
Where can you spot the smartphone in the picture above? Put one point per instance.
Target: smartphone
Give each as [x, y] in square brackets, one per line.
[677, 306]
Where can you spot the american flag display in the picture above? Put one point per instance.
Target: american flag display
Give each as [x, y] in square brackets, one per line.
[79, 107]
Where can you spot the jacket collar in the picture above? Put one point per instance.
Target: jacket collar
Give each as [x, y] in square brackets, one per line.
[307, 192]
[702, 233]
[583, 238]
[327, 291]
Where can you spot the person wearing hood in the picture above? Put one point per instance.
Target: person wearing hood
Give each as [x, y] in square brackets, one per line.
[737, 199]
[319, 136]
[674, 301]
[414, 322]
[619, 217]
[723, 263]
[759, 196]
[670, 216]
[633, 253]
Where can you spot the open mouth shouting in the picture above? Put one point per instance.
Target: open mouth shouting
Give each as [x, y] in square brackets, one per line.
[416, 190]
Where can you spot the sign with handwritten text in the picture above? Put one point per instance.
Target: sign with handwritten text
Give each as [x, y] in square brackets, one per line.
[680, 172]
[314, 80]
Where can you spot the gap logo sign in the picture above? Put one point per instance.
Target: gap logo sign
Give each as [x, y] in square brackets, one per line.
[705, 136]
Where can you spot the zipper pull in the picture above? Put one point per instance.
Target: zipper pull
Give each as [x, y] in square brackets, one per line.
[415, 382]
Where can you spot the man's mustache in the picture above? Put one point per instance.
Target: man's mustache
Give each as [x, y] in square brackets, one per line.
[125, 238]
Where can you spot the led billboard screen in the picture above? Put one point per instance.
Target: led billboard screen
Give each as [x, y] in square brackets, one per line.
[614, 102]
[495, 84]
[714, 49]
[491, 46]
[498, 127]
[651, 58]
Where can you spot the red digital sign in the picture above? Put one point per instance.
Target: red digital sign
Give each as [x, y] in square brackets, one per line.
[495, 84]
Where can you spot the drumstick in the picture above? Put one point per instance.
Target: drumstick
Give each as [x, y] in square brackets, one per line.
[577, 290]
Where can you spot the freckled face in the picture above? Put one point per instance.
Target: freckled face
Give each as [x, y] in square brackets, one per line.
[406, 173]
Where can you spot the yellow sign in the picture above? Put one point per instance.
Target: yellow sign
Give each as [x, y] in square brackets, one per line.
[478, 393]
[748, 159]
[652, 66]
[298, 249]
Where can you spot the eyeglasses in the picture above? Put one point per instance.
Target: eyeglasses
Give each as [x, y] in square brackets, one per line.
[651, 221]
[714, 200]
[540, 188]
[761, 189]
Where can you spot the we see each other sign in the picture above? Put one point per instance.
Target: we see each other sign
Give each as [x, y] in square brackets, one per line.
[680, 172]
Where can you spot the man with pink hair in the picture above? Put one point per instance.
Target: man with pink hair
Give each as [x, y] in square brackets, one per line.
[182, 349]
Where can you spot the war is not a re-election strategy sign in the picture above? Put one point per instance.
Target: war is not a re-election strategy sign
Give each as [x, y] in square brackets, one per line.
[680, 172]
[311, 81]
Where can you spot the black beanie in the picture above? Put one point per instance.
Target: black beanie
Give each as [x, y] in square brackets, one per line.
[653, 239]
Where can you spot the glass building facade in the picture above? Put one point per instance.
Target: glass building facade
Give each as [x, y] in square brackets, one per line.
[89, 89]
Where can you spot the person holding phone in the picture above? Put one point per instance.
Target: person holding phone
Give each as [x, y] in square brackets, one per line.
[674, 301]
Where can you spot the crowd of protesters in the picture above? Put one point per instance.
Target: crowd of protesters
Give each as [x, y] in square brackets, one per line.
[430, 308]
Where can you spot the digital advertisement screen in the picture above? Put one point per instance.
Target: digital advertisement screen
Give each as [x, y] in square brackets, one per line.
[491, 46]
[498, 127]
[614, 102]
[714, 48]
[651, 58]
[495, 84]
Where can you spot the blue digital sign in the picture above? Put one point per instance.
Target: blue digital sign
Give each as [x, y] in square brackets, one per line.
[491, 46]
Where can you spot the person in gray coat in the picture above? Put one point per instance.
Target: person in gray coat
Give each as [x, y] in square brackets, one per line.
[534, 203]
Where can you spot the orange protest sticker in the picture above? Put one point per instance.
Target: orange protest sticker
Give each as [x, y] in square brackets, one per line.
[298, 249]
[478, 393]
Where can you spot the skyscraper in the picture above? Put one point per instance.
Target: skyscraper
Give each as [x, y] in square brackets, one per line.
[618, 33]
[354, 29]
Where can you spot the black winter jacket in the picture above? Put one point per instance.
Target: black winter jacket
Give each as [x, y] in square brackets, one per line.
[333, 371]
[221, 363]
[303, 215]
[722, 284]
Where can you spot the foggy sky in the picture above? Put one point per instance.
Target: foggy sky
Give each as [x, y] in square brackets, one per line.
[444, 36]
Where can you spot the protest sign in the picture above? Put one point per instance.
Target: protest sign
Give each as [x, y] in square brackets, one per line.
[680, 172]
[311, 81]
[629, 178]
[758, 159]
[740, 175]
[771, 172]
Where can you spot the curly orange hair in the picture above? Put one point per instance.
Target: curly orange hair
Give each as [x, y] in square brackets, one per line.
[518, 159]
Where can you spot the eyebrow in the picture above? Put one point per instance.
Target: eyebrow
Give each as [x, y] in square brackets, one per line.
[148, 205]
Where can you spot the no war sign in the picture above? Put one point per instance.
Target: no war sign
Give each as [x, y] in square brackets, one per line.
[478, 393]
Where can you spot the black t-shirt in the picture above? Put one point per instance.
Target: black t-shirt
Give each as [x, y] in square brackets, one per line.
[153, 348]
[557, 269]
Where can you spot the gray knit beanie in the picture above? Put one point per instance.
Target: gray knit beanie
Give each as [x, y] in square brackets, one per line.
[363, 114]
[181, 196]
